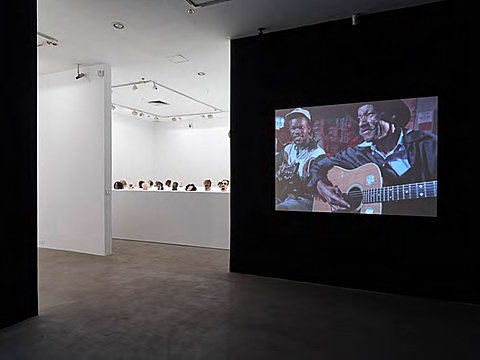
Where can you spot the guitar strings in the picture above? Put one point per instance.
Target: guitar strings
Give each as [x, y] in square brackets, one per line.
[378, 192]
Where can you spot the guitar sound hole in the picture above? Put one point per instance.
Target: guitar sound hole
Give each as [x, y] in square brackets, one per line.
[354, 198]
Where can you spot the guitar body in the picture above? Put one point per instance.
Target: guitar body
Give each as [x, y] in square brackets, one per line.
[365, 177]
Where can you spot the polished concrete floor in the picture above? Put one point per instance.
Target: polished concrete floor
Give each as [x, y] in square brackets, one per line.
[155, 301]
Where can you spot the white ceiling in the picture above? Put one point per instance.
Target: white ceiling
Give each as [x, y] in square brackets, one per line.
[158, 29]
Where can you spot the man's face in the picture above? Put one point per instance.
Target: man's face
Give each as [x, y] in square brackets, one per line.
[299, 130]
[369, 123]
[223, 185]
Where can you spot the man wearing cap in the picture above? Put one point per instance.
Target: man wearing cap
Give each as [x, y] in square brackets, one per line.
[293, 163]
[403, 156]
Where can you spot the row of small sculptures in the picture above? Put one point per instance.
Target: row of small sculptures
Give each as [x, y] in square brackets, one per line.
[145, 185]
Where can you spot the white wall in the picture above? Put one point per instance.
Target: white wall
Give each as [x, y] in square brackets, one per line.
[74, 161]
[143, 149]
[192, 154]
[132, 148]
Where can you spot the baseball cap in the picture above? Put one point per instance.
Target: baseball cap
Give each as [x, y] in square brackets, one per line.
[300, 111]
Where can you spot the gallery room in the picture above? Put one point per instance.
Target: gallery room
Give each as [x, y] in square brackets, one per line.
[228, 180]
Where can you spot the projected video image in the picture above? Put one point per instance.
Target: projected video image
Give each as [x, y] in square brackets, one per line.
[372, 157]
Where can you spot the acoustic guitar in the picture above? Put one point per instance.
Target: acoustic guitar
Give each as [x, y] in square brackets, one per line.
[362, 189]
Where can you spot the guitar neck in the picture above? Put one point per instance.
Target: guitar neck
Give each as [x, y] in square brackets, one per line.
[420, 190]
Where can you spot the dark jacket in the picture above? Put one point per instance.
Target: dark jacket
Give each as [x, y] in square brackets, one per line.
[422, 155]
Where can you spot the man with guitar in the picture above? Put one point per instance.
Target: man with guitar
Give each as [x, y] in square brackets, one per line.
[393, 164]
[293, 163]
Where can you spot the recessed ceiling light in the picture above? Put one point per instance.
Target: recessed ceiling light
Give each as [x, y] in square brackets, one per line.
[118, 25]
[201, 73]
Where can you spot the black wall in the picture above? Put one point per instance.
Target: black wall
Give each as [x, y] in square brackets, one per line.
[420, 51]
[18, 147]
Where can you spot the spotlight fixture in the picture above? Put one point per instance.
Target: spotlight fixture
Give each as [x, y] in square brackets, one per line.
[153, 116]
[191, 11]
[48, 40]
[354, 19]
[118, 25]
[79, 74]
[113, 107]
[201, 73]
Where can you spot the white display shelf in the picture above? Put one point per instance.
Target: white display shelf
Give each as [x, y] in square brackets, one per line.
[195, 218]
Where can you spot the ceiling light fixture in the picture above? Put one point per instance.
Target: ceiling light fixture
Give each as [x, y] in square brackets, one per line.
[143, 81]
[118, 25]
[48, 40]
[154, 87]
[199, 3]
[201, 73]
[172, 117]
[354, 19]
[79, 74]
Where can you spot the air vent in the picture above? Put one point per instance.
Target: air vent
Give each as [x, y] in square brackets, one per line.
[177, 59]
[158, 102]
